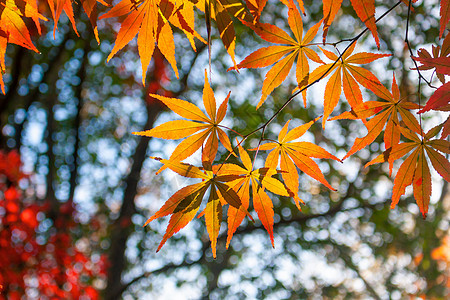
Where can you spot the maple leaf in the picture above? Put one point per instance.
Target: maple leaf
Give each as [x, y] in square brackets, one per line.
[202, 127]
[439, 59]
[439, 100]
[151, 19]
[442, 64]
[56, 8]
[12, 24]
[3, 45]
[296, 154]
[445, 128]
[347, 76]
[295, 47]
[444, 12]
[14, 30]
[382, 113]
[260, 179]
[365, 9]
[29, 8]
[184, 19]
[221, 11]
[414, 169]
[256, 7]
[184, 204]
[90, 8]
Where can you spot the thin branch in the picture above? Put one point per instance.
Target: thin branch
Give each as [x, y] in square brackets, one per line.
[444, 190]
[302, 219]
[186, 263]
[185, 78]
[77, 122]
[121, 233]
[352, 41]
[417, 68]
[34, 94]
[249, 228]
[343, 249]
[50, 178]
[411, 52]
[15, 75]
[266, 124]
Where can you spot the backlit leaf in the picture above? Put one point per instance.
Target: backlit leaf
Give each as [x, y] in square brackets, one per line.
[213, 217]
[201, 129]
[444, 13]
[264, 208]
[293, 48]
[422, 184]
[404, 177]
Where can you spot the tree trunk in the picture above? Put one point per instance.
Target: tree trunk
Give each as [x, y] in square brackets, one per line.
[122, 227]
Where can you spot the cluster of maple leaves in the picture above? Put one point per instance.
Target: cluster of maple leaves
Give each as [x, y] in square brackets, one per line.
[229, 184]
[27, 252]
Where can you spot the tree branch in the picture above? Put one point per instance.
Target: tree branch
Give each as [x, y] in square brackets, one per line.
[15, 75]
[77, 122]
[247, 229]
[186, 263]
[50, 191]
[35, 94]
[121, 227]
[343, 249]
[352, 41]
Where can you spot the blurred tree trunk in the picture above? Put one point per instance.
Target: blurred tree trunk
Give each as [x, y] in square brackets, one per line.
[123, 227]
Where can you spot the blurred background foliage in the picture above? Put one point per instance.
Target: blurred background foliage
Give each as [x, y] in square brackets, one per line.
[70, 115]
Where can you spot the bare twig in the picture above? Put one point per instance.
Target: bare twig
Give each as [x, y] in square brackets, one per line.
[343, 249]
[77, 122]
[417, 68]
[266, 124]
[299, 219]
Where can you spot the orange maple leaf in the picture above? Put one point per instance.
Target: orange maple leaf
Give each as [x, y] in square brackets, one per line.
[202, 127]
[296, 154]
[221, 11]
[29, 9]
[414, 169]
[382, 112]
[14, 30]
[295, 47]
[184, 204]
[260, 179]
[152, 19]
[12, 24]
[90, 7]
[346, 77]
[365, 9]
[56, 8]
